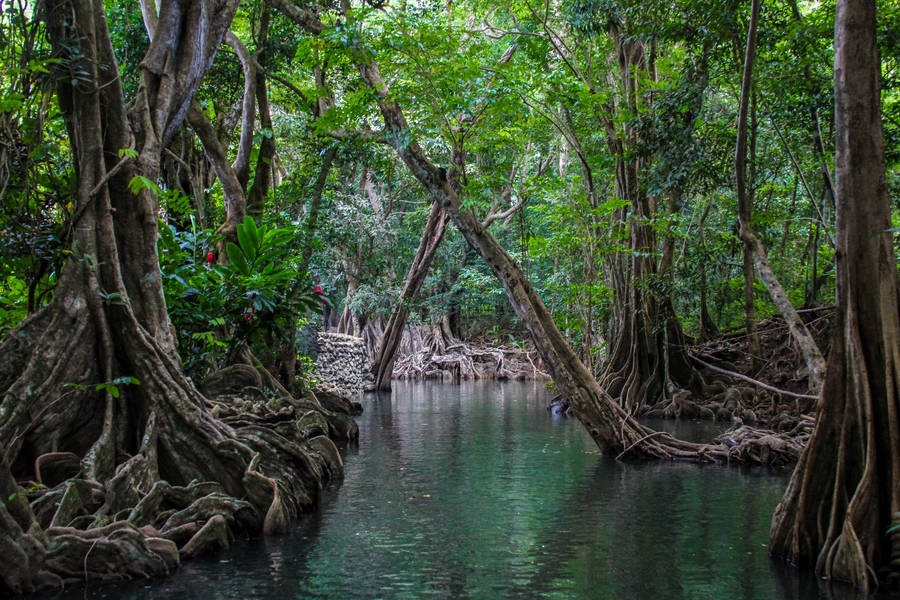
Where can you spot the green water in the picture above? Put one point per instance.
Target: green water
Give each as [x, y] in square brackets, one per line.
[474, 491]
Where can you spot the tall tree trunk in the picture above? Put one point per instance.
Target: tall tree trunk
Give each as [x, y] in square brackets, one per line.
[383, 366]
[95, 376]
[745, 199]
[708, 328]
[647, 348]
[815, 363]
[262, 175]
[844, 494]
[286, 367]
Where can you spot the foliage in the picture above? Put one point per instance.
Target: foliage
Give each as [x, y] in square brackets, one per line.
[529, 99]
[216, 306]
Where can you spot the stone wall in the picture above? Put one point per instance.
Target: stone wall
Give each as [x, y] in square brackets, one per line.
[342, 362]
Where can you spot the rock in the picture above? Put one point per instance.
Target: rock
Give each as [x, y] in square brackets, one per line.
[343, 363]
[558, 407]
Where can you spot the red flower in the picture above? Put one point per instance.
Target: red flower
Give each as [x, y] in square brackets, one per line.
[209, 258]
[318, 290]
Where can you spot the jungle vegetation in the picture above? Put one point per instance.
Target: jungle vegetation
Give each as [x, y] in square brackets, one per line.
[188, 186]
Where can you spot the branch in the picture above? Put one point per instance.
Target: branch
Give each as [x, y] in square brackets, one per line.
[241, 164]
[743, 377]
[489, 220]
[305, 18]
[109, 175]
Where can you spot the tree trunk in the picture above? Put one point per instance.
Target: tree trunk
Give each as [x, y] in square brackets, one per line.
[745, 201]
[94, 380]
[286, 367]
[262, 176]
[647, 347]
[232, 190]
[844, 495]
[383, 366]
[815, 363]
[611, 427]
[708, 328]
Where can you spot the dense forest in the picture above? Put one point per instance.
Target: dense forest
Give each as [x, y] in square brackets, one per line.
[678, 207]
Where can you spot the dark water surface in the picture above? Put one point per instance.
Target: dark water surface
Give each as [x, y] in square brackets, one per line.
[473, 491]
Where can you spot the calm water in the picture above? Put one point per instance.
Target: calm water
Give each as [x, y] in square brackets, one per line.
[473, 491]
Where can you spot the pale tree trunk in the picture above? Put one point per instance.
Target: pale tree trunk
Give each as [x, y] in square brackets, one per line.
[844, 494]
[383, 366]
[234, 199]
[263, 175]
[138, 445]
[753, 247]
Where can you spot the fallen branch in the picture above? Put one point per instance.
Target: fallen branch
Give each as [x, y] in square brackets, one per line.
[756, 382]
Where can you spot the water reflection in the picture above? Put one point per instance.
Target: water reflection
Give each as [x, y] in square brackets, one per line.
[472, 491]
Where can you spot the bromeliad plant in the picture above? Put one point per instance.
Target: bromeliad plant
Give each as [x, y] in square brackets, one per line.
[218, 306]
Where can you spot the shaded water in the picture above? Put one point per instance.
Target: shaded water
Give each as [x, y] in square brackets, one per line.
[473, 491]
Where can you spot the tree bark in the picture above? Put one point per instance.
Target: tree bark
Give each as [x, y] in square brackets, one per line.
[232, 190]
[844, 495]
[241, 164]
[383, 366]
[745, 201]
[262, 176]
[647, 347]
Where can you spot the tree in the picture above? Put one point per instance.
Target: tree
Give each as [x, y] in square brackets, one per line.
[753, 248]
[837, 513]
[610, 425]
[95, 375]
[383, 365]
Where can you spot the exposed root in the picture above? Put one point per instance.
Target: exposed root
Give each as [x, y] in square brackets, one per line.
[245, 459]
[759, 446]
[436, 354]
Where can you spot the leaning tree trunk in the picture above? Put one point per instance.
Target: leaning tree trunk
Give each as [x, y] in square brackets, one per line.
[383, 367]
[611, 427]
[94, 402]
[844, 495]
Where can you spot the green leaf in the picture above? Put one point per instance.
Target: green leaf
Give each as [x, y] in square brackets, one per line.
[108, 387]
[237, 258]
[248, 243]
[253, 232]
[140, 183]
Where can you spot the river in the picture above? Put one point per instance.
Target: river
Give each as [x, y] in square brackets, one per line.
[474, 491]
